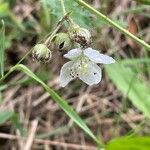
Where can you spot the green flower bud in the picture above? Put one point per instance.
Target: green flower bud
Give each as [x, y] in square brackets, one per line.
[81, 36]
[62, 42]
[41, 53]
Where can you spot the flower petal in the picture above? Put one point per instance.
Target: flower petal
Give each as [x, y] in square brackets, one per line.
[93, 76]
[73, 53]
[65, 77]
[96, 57]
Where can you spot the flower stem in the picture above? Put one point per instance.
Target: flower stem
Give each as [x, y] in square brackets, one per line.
[112, 23]
[47, 42]
[10, 70]
[63, 6]
[59, 24]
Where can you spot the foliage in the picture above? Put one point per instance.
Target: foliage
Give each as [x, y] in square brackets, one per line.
[127, 80]
[134, 143]
[5, 115]
[126, 75]
[79, 15]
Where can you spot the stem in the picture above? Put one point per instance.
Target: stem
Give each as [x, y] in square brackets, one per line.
[11, 69]
[47, 42]
[59, 24]
[112, 23]
[63, 6]
[70, 21]
[15, 20]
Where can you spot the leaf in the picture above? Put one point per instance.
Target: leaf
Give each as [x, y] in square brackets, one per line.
[5, 115]
[79, 15]
[146, 2]
[2, 48]
[60, 101]
[18, 125]
[3, 87]
[4, 8]
[136, 143]
[45, 16]
[127, 82]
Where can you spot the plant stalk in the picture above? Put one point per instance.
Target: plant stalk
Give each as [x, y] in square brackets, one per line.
[59, 24]
[112, 23]
[63, 7]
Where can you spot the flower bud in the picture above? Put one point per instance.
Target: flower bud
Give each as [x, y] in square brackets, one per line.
[62, 42]
[41, 53]
[81, 36]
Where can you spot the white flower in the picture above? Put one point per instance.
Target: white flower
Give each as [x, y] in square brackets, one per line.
[83, 65]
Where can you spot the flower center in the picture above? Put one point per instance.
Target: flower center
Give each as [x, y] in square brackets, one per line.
[79, 67]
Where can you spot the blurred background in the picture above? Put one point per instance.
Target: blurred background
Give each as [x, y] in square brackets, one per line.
[118, 106]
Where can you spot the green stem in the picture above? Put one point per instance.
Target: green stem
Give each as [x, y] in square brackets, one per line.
[112, 23]
[11, 69]
[63, 6]
[15, 20]
[47, 42]
[59, 24]
[70, 21]
[2, 48]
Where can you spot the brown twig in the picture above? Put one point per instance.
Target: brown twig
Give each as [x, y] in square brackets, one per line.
[30, 139]
[48, 142]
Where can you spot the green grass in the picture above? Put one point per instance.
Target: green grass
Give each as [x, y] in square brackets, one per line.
[2, 48]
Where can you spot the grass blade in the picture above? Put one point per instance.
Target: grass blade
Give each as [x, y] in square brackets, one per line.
[60, 101]
[146, 2]
[2, 48]
[5, 115]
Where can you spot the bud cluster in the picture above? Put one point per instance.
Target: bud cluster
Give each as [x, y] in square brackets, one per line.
[63, 42]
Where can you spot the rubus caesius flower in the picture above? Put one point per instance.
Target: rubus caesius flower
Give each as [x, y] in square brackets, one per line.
[83, 65]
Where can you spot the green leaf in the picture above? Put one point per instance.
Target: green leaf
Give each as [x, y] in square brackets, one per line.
[45, 16]
[131, 86]
[81, 16]
[2, 48]
[146, 2]
[3, 87]
[4, 8]
[18, 125]
[5, 115]
[136, 143]
[60, 101]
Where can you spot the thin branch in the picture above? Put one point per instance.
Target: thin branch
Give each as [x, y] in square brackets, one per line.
[63, 6]
[112, 23]
[48, 142]
[58, 26]
[30, 139]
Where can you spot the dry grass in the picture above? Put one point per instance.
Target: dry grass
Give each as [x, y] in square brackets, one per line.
[102, 106]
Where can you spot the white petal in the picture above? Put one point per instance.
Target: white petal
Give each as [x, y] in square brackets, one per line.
[73, 53]
[93, 76]
[105, 59]
[65, 77]
[96, 57]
